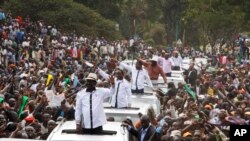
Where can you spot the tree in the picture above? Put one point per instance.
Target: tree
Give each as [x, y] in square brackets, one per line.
[66, 14]
[172, 11]
[110, 9]
[215, 19]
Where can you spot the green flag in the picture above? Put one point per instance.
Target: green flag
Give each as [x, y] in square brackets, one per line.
[239, 57]
[1, 100]
[190, 92]
[66, 82]
[24, 102]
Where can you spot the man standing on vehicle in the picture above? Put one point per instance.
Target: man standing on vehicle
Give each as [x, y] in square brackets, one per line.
[139, 76]
[89, 112]
[154, 70]
[177, 61]
[120, 90]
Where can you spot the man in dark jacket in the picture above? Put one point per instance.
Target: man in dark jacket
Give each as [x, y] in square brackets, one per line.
[191, 75]
[144, 132]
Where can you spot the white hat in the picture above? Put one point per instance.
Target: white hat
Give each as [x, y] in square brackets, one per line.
[92, 76]
[175, 133]
[89, 64]
[155, 58]
[24, 75]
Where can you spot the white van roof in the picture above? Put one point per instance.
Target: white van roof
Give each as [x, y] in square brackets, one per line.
[14, 139]
[140, 104]
[57, 134]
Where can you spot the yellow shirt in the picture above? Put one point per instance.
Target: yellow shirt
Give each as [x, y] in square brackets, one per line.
[210, 91]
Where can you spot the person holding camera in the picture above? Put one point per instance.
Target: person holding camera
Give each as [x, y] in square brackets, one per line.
[144, 132]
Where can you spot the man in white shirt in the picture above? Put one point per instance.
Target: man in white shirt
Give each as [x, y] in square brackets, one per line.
[167, 65]
[177, 61]
[139, 75]
[161, 59]
[120, 90]
[89, 112]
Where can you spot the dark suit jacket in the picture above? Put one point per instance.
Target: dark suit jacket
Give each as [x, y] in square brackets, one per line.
[192, 76]
[138, 133]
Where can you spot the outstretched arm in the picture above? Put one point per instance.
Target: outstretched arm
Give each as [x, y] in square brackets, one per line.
[102, 73]
[144, 63]
[163, 75]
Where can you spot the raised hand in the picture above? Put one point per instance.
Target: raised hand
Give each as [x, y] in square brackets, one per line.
[112, 79]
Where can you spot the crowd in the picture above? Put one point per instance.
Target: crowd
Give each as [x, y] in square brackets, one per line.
[43, 70]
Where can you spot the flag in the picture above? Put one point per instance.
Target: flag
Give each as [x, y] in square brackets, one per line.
[75, 81]
[239, 57]
[24, 102]
[190, 92]
[66, 82]
[1, 100]
[50, 77]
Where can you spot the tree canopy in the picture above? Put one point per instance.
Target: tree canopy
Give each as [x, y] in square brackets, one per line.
[66, 14]
[160, 22]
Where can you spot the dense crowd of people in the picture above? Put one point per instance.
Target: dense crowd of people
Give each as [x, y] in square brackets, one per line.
[43, 71]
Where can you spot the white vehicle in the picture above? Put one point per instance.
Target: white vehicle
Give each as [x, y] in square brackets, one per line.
[130, 62]
[140, 104]
[176, 73]
[14, 139]
[66, 131]
[198, 63]
[175, 79]
[176, 76]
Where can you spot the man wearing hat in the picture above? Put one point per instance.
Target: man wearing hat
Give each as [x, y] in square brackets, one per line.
[89, 112]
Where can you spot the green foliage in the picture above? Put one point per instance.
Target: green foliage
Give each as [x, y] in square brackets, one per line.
[159, 22]
[67, 15]
[156, 35]
[109, 9]
[172, 14]
[215, 19]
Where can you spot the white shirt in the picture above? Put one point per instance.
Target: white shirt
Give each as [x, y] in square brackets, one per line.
[124, 91]
[131, 42]
[82, 110]
[167, 66]
[177, 61]
[160, 61]
[104, 49]
[138, 77]
[123, 95]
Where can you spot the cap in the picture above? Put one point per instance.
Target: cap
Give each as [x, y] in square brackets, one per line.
[175, 133]
[155, 58]
[186, 134]
[247, 113]
[92, 76]
[175, 51]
